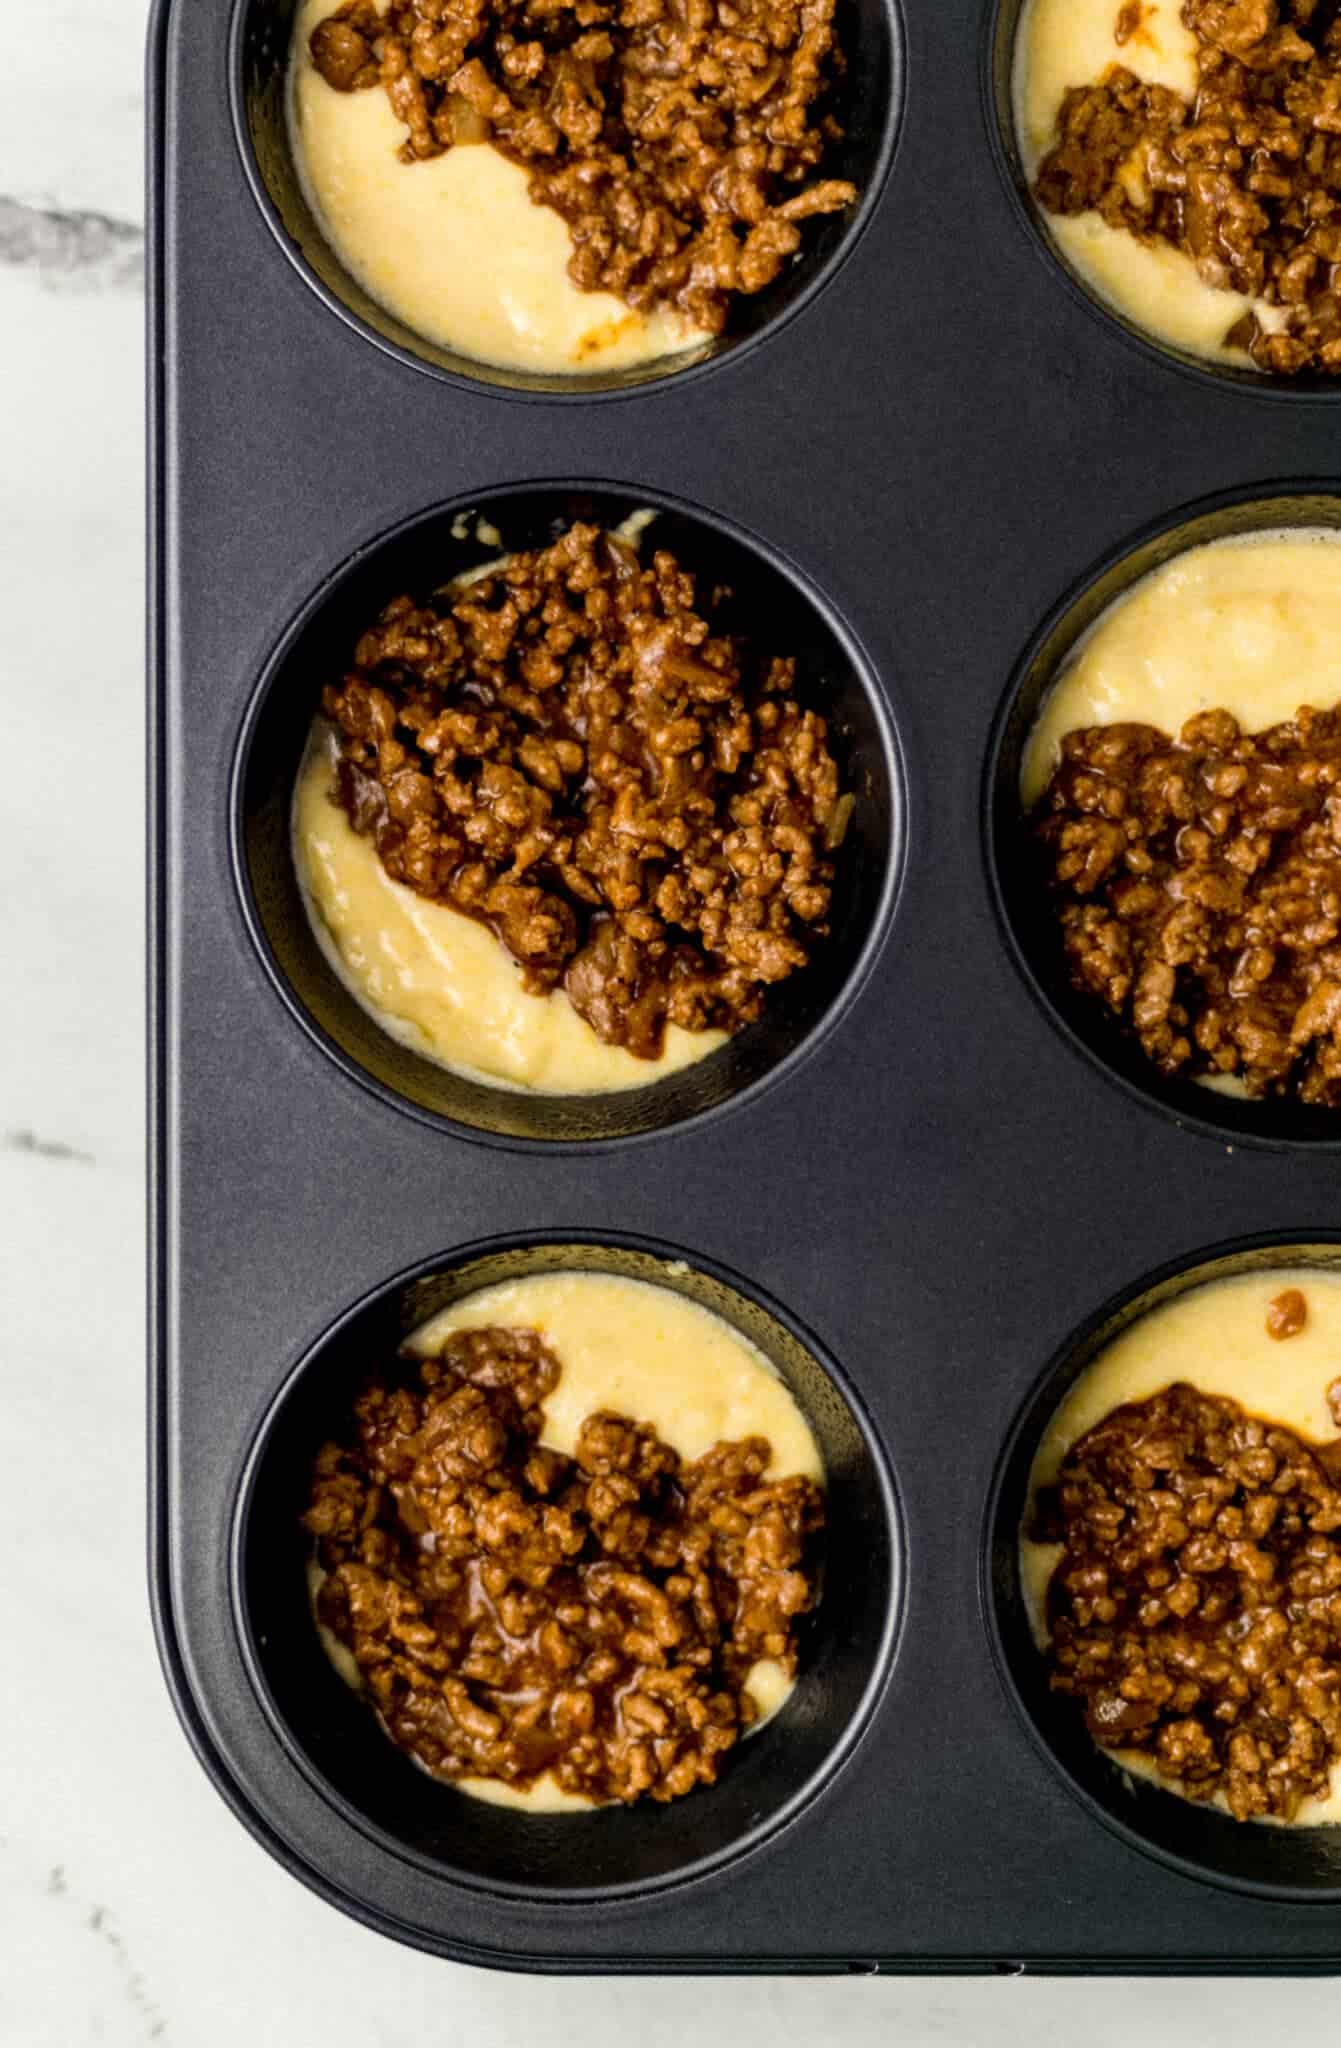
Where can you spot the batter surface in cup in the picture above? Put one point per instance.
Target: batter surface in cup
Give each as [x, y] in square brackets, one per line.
[1065, 43]
[455, 247]
[623, 1349]
[1215, 1339]
[1249, 625]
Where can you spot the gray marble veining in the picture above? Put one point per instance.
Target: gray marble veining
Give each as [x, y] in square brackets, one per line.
[85, 249]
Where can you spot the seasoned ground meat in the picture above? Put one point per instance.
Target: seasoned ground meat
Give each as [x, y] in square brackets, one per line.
[515, 1612]
[679, 142]
[636, 805]
[1197, 882]
[1286, 1314]
[1246, 179]
[1196, 1612]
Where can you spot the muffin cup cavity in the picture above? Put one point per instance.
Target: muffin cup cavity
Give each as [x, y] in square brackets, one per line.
[867, 102]
[845, 1645]
[1029, 925]
[424, 553]
[1285, 1862]
[998, 67]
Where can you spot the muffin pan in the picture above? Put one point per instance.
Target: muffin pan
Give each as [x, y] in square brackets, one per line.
[1032, 934]
[914, 1190]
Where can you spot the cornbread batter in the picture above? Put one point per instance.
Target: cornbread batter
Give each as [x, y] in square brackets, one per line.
[634, 1349]
[1065, 43]
[1250, 625]
[1215, 1338]
[438, 980]
[455, 247]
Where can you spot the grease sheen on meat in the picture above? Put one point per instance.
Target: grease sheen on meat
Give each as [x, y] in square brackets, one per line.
[516, 1613]
[1197, 886]
[1196, 1610]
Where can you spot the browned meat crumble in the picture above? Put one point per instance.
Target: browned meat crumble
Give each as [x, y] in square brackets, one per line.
[515, 1612]
[1245, 179]
[1197, 883]
[636, 805]
[679, 142]
[1196, 1613]
[1286, 1314]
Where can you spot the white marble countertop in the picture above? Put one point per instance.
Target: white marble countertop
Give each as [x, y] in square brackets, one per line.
[133, 1908]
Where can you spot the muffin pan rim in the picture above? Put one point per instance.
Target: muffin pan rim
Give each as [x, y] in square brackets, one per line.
[865, 672]
[850, 1737]
[630, 384]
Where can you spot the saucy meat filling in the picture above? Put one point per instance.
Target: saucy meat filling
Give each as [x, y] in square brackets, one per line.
[1245, 178]
[1196, 1612]
[634, 803]
[515, 1612]
[1197, 884]
[679, 143]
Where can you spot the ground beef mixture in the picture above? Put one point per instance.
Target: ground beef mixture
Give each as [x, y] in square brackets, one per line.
[1246, 179]
[1196, 1612]
[515, 1612]
[635, 804]
[678, 141]
[1197, 882]
[1286, 1314]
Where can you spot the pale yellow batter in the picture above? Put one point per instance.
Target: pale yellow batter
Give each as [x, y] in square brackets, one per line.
[649, 1353]
[1064, 43]
[1251, 624]
[441, 982]
[1215, 1338]
[455, 247]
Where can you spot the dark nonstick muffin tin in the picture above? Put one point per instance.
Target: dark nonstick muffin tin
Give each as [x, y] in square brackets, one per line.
[920, 1194]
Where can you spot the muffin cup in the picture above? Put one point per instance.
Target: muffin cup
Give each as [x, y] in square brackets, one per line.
[845, 1644]
[867, 103]
[1026, 915]
[775, 605]
[1275, 1861]
[998, 64]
